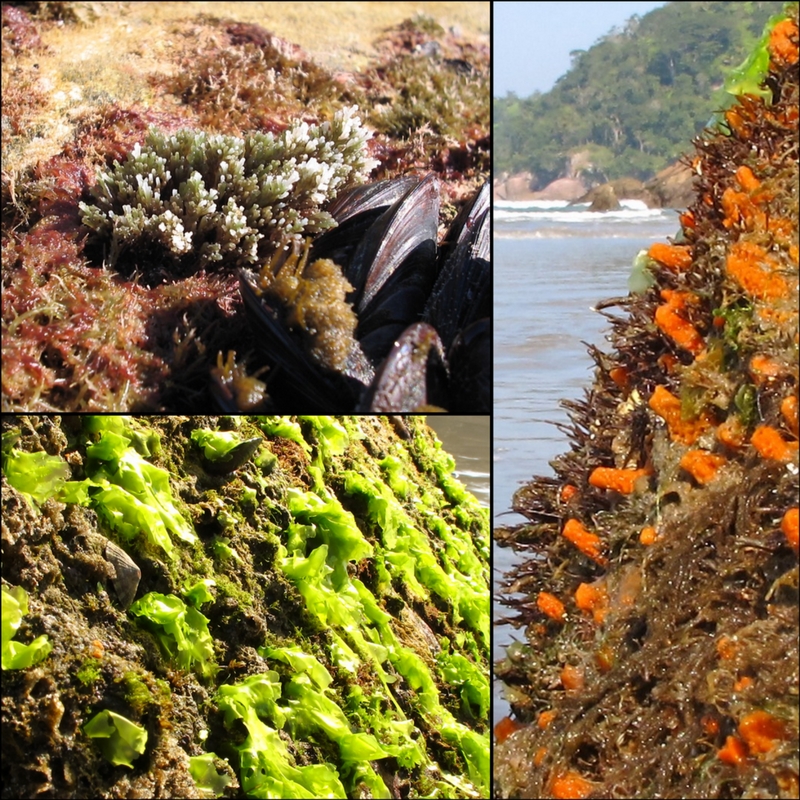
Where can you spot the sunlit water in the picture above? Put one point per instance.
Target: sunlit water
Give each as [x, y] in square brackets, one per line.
[467, 439]
[551, 265]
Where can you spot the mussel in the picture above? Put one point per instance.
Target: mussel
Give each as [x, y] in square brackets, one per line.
[375, 314]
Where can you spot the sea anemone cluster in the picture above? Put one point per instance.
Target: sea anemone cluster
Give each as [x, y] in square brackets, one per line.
[658, 588]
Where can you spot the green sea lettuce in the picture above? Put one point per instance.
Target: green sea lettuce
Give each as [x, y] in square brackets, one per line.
[205, 774]
[216, 444]
[16, 655]
[181, 630]
[120, 740]
[128, 492]
[38, 475]
[266, 766]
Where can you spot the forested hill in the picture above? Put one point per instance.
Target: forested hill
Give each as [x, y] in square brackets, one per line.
[630, 104]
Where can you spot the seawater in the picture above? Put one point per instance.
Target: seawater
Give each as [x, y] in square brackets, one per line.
[552, 263]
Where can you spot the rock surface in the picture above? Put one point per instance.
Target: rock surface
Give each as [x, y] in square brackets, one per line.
[250, 531]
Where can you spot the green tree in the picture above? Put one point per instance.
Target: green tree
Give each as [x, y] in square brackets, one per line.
[637, 96]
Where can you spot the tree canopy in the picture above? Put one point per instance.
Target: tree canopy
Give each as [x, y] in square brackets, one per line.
[631, 104]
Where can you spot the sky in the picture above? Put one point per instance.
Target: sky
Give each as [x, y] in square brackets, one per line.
[531, 42]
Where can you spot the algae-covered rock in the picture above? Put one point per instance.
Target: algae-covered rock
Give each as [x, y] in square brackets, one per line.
[311, 617]
[659, 588]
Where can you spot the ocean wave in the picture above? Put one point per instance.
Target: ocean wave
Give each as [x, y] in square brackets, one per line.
[633, 220]
[582, 215]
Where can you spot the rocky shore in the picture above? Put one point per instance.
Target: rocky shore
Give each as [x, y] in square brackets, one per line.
[297, 637]
[657, 584]
[670, 188]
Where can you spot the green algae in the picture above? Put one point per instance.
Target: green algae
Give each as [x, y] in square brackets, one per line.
[17, 655]
[361, 645]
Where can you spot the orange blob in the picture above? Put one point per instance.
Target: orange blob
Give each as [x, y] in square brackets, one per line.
[570, 785]
[760, 730]
[668, 407]
[618, 480]
[551, 606]
[505, 728]
[672, 324]
[593, 597]
[702, 465]
[588, 543]
[746, 179]
[790, 412]
[674, 257]
[568, 491]
[789, 526]
[750, 266]
[783, 42]
[734, 751]
[770, 444]
[648, 535]
[764, 369]
[740, 209]
[726, 648]
[545, 718]
[572, 678]
[620, 376]
[709, 724]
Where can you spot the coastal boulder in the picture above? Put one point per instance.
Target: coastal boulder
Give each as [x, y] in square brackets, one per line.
[604, 198]
[673, 186]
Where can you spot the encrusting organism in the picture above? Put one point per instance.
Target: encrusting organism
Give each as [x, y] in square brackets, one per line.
[665, 547]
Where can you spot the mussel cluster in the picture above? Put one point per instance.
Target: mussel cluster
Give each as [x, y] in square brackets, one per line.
[374, 314]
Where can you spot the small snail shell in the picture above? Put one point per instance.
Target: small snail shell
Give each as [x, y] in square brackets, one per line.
[128, 574]
[240, 455]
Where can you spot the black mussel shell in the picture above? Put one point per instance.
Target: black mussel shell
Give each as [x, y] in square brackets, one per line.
[470, 359]
[293, 374]
[413, 376]
[355, 210]
[126, 573]
[414, 304]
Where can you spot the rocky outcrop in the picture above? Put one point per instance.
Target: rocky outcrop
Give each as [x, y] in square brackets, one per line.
[604, 198]
[620, 189]
[673, 187]
[657, 576]
[518, 187]
[513, 187]
[305, 590]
